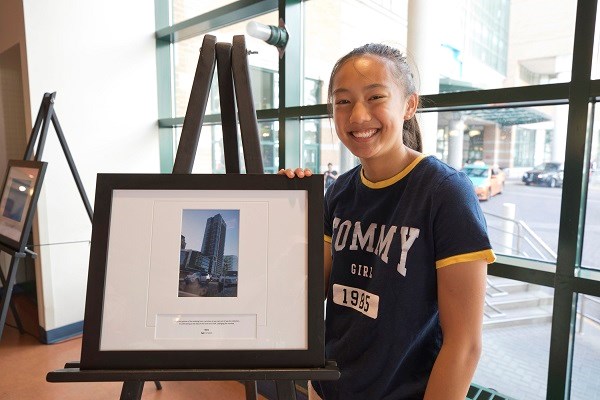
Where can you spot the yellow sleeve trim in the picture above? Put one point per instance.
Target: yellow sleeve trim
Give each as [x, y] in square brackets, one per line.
[327, 238]
[488, 255]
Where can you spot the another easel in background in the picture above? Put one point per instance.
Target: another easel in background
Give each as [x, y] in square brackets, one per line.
[17, 249]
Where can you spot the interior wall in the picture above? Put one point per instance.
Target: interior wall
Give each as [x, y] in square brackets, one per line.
[12, 133]
[99, 58]
[12, 118]
[13, 101]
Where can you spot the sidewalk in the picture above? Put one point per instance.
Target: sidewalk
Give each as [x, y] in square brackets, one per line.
[515, 362]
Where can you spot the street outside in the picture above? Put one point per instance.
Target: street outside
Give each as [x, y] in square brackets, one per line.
[539, 208]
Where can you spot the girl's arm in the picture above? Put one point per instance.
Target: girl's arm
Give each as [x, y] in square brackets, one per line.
[461, 294]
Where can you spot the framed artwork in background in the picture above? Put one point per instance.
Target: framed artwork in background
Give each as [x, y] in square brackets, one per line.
[205, 271]
[20, 193]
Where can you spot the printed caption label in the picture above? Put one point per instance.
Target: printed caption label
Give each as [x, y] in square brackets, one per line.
[364, 302]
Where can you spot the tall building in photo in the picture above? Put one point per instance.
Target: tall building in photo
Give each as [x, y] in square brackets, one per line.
[213, 244]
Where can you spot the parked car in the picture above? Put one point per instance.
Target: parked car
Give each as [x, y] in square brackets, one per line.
[487, 181]
[229, 278]
[548, 174]
[198, 277]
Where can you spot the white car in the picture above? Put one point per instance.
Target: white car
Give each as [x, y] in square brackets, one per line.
[198, 277]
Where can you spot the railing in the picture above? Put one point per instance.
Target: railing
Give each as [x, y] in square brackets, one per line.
[511, 236]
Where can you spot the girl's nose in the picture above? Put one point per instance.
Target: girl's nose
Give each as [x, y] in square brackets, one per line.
[360, 113]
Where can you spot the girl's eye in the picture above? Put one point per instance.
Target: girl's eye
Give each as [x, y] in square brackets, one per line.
[377, 97]
[342, 101]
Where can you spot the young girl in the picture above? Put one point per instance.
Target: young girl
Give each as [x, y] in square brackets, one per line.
[406, 248]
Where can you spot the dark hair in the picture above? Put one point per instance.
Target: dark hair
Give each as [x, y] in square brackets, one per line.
[411, 135]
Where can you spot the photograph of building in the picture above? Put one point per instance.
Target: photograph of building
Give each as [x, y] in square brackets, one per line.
[203, 272]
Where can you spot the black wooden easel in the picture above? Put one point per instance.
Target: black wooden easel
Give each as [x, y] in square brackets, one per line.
[234, 84]
[8, 284]
[46, 114]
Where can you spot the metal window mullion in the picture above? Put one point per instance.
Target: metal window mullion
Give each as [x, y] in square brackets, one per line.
[212, 119]
[523, 274]
[164, 77]
[290, 82]
[534, 95]
[572, 203]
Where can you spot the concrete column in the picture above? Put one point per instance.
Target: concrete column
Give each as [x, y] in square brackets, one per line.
[423, 44]
[559, 140]
[540, 147]
[455, 142]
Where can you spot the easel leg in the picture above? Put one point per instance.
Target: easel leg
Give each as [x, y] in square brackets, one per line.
[132, 390]
[250, 390]
[286, 390]
[12, 307]
[8, 288]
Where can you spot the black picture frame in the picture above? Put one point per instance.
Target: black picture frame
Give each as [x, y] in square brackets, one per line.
[95, 355]
[20, 192]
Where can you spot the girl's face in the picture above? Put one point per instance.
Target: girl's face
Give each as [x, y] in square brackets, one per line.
[369, 108]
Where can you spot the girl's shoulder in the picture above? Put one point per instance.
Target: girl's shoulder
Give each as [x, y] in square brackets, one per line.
[435, 175]
[431, 165]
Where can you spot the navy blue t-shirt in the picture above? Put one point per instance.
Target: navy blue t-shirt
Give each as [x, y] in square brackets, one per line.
[388, 239]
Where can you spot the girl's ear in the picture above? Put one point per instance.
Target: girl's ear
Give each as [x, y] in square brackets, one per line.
[411, 106]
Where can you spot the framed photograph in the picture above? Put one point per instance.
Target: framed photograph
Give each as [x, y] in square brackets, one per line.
[205, 271]
[17, 205]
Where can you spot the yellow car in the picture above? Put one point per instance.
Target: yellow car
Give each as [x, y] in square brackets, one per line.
[487, 181]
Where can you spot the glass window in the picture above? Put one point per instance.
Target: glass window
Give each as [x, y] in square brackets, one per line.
[263, 62]
[322, 147]
[591, 237]
[269, 141]
[516, 339]
[596, 56]
[210, 155]
[522, 174]
[340, 27]
[584, 383]
[482, 45]
[524, 147]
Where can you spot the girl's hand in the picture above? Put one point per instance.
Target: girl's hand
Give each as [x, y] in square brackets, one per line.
[299, 172]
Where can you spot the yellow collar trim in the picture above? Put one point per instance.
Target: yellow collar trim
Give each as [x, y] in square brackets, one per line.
[393, 179]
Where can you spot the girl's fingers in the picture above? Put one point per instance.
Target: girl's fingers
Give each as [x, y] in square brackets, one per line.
[287, 172]
[302, 172]
[299, 172]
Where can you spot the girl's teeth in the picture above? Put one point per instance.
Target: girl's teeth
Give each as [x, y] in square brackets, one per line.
[364, 134]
